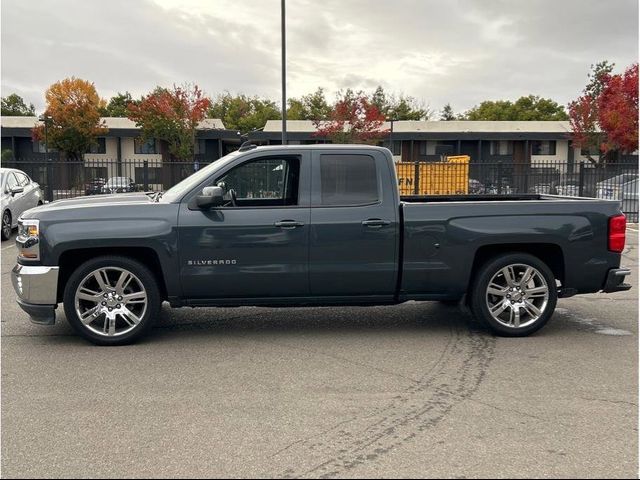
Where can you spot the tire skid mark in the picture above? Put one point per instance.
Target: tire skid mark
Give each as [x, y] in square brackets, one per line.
[454, 378]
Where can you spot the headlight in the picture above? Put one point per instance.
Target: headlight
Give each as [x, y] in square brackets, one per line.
[28, 240]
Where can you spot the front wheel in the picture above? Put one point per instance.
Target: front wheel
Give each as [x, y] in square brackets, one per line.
[514, 294]
[112, 300]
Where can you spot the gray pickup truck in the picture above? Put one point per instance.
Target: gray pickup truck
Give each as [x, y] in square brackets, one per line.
[310, 225]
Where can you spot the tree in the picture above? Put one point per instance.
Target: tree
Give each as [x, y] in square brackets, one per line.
[243, 113]
[400, 107]
[618, 111]
[604, 119]
[313, 106]
[354, 119]
[118, 105]
[447, 113]
[73, 117]
[14, 106]
[171, 115]
[531, 107]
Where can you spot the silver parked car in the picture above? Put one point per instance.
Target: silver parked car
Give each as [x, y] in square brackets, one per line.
[19, 194]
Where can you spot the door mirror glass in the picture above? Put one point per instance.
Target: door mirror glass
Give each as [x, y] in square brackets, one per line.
[210, 197]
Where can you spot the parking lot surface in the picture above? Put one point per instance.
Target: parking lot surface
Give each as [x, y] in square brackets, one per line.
[406, 391]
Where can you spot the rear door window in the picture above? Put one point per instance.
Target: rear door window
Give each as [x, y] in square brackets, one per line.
[348, 180]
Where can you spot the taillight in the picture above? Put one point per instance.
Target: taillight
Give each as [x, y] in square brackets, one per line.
[617, 231]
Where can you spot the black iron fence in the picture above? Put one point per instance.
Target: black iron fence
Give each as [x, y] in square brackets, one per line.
[615, 181]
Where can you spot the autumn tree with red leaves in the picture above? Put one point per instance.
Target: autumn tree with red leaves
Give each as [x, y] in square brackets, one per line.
[171, 115]
[353, 119]
[604, 119]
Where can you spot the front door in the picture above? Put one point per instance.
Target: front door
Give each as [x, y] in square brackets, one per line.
[257, 245]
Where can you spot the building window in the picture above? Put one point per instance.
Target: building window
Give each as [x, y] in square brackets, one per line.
[144, 148]
[154, 175]
[99, 147]
[396, 146]
[39, 147]
[94, 173]
[543, 147]
[501, 147]
[422, 147]
[199, 147]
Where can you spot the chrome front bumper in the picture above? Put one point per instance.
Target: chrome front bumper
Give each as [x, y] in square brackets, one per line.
[36, 288]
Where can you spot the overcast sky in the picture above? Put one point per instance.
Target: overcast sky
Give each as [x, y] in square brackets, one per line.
[457, 51]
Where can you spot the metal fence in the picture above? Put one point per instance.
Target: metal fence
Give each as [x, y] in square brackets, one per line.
[615, 181]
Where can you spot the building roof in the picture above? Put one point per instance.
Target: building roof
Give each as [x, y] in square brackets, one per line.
[112, 123]
[455, 126]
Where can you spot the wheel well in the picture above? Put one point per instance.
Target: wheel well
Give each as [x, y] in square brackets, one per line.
[549, 253]
[71, 259]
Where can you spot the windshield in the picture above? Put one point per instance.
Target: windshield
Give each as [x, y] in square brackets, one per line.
[178, 190]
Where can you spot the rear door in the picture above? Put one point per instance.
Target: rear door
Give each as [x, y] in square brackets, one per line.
[354, 225]
[258, 248]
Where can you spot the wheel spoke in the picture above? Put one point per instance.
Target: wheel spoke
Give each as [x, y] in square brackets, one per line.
[498, 308]
[526, 276]
[495, 289]
[509, 276]
[102, 279]
[129, 317]
[537, 291]
[87, 294]
[515, 316]
[123, 281]
[136, 297]
[109, 327]
[531, 309]
[89, 315]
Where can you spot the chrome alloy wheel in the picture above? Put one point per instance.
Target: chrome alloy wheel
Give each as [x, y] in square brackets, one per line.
[111, 301]
[6, 224]
[517, 295]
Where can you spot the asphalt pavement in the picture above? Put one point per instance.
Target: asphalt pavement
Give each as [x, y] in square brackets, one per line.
[412, 390]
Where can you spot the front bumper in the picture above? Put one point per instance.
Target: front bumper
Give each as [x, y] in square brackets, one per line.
[36, 287]
[615, 280]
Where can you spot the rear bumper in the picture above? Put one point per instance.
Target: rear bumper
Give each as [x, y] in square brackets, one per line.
[36, 288]
[615, 280]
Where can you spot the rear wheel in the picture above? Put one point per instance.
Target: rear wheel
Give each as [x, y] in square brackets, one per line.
[6, 225]
[112, 300]
[514, 294]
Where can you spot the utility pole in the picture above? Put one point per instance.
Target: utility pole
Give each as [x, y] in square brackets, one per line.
[284, 73]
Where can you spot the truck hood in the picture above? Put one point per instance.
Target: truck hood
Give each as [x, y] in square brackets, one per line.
[115, 200]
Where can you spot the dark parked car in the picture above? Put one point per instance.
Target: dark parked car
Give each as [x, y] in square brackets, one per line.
[119, 185]
[95, 186]
[311, 225]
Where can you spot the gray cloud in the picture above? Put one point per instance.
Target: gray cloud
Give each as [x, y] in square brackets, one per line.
[459, 51]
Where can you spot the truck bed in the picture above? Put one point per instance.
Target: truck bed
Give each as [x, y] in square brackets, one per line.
[484, 198]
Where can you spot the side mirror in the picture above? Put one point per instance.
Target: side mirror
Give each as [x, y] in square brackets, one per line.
[16, 190]
[210, 197]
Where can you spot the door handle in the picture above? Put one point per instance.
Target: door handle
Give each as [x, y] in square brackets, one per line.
[288, 224]
[375, 223]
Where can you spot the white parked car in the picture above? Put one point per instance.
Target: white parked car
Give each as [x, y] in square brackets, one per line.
[624, 188]
[19, 194]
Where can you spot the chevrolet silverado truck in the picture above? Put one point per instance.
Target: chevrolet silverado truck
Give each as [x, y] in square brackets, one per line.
[310, 225]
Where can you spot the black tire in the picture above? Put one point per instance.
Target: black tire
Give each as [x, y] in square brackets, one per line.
[478, 294]
[6, 233]
[145, 277]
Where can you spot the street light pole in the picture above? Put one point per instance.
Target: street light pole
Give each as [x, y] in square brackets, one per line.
[284, 73]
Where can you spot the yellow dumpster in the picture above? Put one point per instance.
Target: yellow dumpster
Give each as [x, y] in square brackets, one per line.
[448, 177]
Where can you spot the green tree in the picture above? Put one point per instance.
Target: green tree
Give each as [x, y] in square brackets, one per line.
[447, 113]
[313, 106]
[243, 113]
[401, 107]
[531, 107]
[13, 106]
[117, 106]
